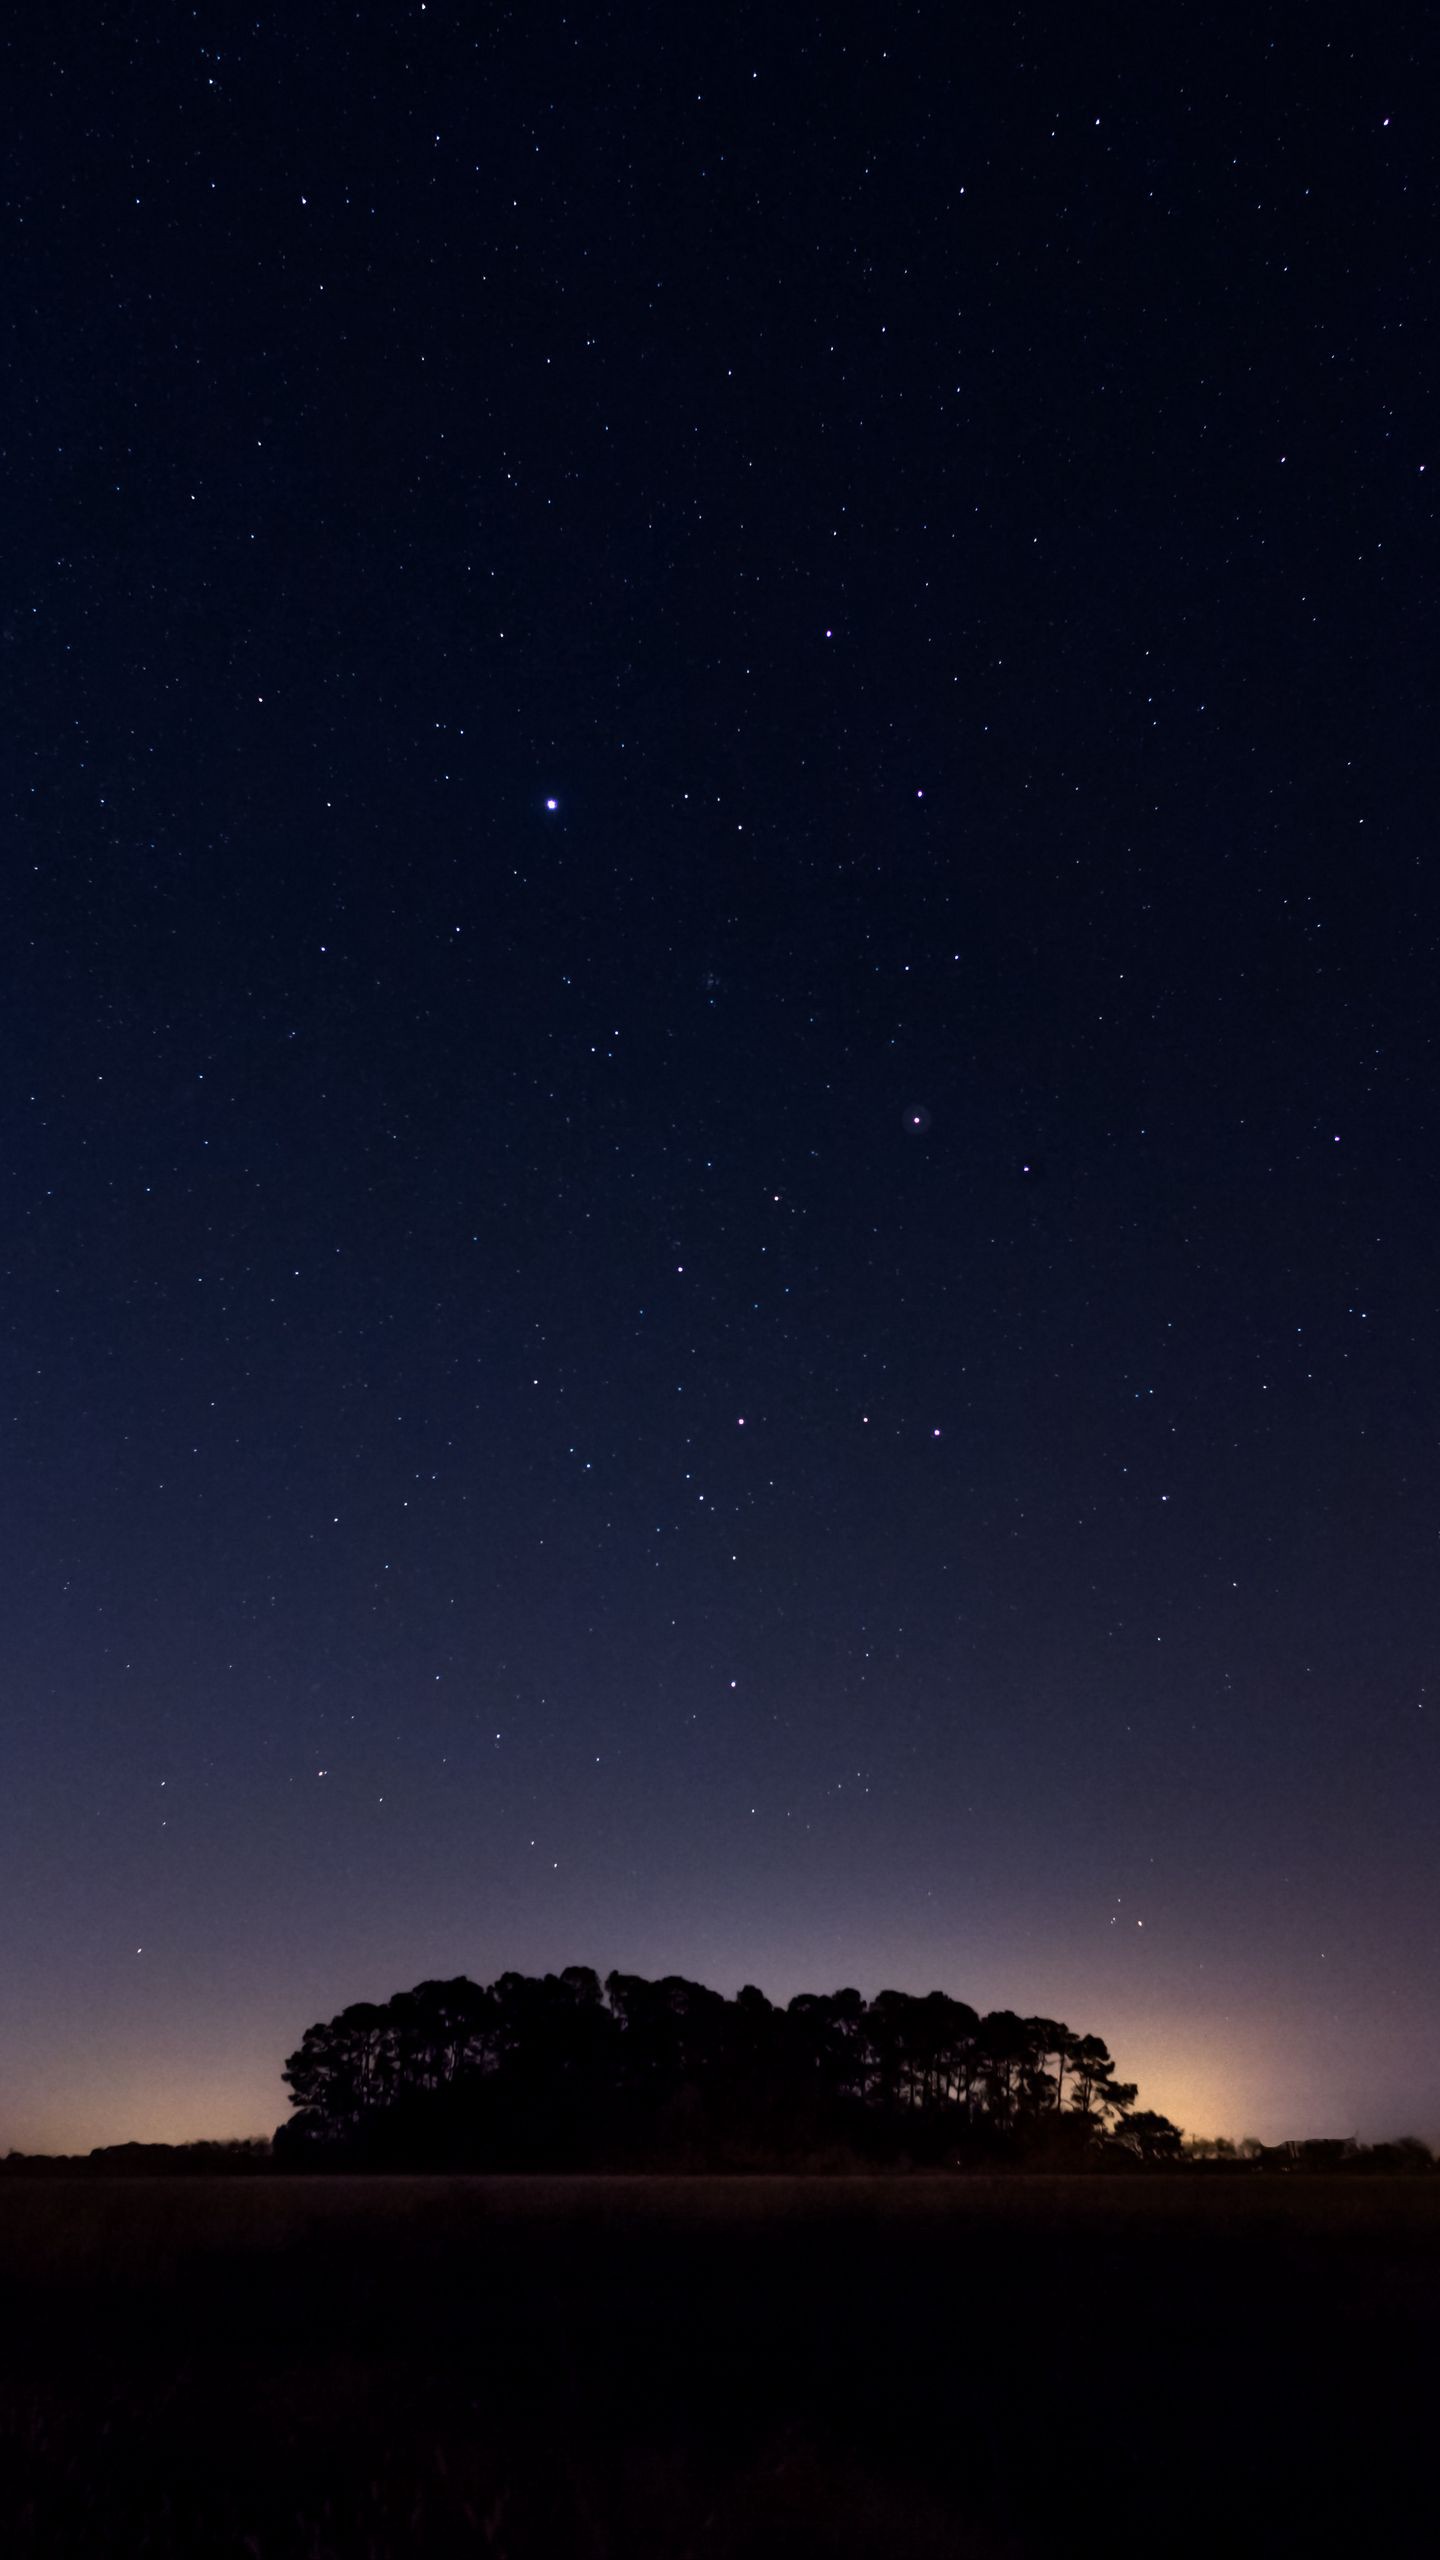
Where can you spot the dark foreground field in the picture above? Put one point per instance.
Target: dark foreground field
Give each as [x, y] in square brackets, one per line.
[718, 2366]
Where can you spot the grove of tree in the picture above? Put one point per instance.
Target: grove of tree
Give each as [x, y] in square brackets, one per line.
[563, 2071]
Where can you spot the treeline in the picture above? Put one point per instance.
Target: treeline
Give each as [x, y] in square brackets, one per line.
[567, 2072]
[249, 2158]
[1405, 2156]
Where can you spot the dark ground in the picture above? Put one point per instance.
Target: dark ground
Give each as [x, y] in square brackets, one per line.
[759, 2366]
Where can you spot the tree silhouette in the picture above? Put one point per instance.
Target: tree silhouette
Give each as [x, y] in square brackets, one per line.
[1149, 2136]
[556, 2070]
[345, 2069]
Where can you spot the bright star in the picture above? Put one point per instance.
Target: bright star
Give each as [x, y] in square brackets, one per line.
[552, 806]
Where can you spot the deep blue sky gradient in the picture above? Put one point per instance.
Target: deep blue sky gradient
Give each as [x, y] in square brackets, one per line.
[818, 1365]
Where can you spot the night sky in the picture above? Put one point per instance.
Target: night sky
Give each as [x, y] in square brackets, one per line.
[719, 1074]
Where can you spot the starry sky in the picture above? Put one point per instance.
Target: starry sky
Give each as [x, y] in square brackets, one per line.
[718, 1033]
